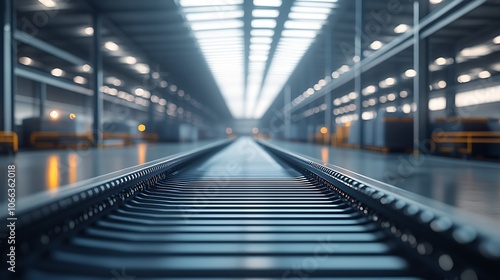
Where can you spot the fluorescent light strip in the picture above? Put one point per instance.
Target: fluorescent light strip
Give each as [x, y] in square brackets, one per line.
[263, 23]
[260, 47]
[478, 96]
[305, 22]
[196, 3]
[211, 9]
[261, 40]
[261, 13]
[218, 27]
[293, 24]
[314, 10]
[262, 32]
[215, 16]
[299, 33]
[438, 103]
[314, 4]
[267, 3]
[218, 24]
[219, 33]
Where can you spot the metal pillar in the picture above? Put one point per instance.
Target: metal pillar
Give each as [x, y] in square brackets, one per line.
[421, 81]
[328, 96]
[286, 113]
[151, 113]
[41, 89]
[97, 76]
[451, 86]
[8, 56]
[358, 78]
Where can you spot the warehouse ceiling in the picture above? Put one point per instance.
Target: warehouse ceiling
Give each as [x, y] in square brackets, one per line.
[173, 38]
[232, 56]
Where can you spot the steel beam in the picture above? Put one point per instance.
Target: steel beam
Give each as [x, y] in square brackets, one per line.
[390, 50]
[428, 20]
[38, 76]
[440, 23]
[8, 57]
[421, 81]
[428, 25]
[48, 48]
[97, 79]
[41, 89]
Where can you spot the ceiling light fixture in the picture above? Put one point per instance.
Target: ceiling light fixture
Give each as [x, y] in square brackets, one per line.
[48, 3]
[130, 60]
[496, 40]
[112, 46]
[261, 13]
[484, 74]
[410, 73]
[25, 60]
[440, 61]
[402, 28]
[376, 45]
[86, 68]
[88, 31]
[465, 78]
[267, 3]
[57, 72]
[79, 80]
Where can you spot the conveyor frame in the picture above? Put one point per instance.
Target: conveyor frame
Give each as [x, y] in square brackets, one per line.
[457, 249]
[447, 244]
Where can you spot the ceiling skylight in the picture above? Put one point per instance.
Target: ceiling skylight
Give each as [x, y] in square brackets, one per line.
[304, 23]
[260, 13]
[218, 26]
[267, 3]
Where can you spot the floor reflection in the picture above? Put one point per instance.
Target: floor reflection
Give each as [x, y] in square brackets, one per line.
[72, 168]
[469, 185]
[324, 155]
[141, 153]
[53, 165]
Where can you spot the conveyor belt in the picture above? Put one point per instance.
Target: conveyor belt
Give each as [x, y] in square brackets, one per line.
[239, 214]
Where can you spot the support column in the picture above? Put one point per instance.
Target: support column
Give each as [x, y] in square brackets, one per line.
[358, 80]
[304, 81]
[151, 113]
[421, 81]
[286, 113]
[328, 96]
[451, 86]
[41, 89]
[97, 76]
[8, 56]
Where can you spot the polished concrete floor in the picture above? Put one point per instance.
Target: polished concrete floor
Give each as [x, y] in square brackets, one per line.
[52, 169]
[468, 185]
